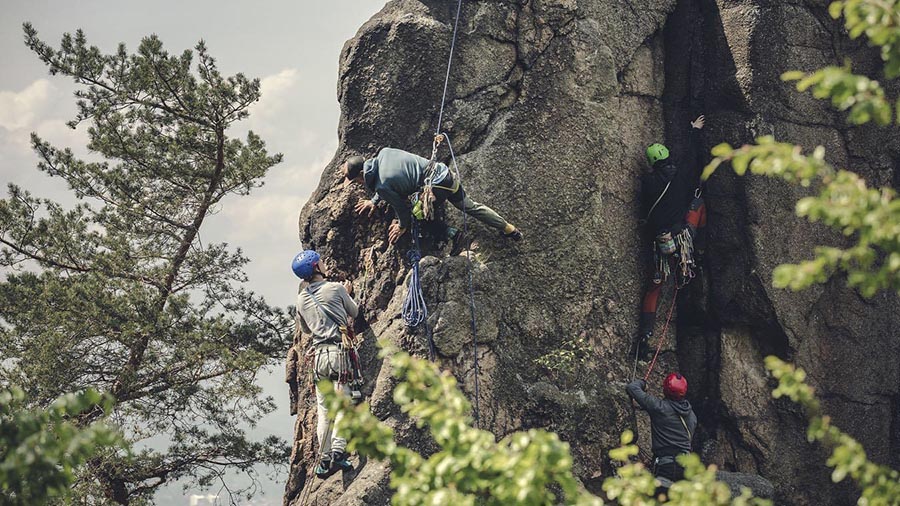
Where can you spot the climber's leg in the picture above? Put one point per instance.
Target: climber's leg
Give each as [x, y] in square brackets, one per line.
[483, 214]
[696, 222]
[322, 425]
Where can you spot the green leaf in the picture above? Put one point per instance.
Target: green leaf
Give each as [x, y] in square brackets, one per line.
[793, 75]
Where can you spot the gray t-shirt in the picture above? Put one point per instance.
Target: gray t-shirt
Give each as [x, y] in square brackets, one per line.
[336, 300]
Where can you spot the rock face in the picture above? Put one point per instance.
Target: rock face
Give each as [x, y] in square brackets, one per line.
[550, 106]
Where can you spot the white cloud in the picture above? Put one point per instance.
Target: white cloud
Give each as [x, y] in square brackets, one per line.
[278, 101]
[276, 91]
[18, 110]
[43, 108]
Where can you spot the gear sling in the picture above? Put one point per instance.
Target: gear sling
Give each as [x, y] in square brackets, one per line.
[673, 249]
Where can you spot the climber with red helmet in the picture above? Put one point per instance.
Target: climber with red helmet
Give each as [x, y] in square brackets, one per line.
[324, 309]
[673, 211]
[396, 176]
[672, 423]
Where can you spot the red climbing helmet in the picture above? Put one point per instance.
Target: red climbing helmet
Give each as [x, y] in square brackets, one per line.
[675, 387]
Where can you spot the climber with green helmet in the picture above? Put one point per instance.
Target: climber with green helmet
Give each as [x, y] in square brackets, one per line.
[673, 211]
[396, 175]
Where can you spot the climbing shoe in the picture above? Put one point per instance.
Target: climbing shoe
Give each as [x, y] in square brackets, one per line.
[340, 461]
[641, 348]
[324, 469]
[515, 235]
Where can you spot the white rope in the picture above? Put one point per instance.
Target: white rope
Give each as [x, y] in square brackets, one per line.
[449, 63]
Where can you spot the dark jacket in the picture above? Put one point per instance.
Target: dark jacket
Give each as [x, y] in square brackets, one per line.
[394, 175]
[669, 437]
[669, 214]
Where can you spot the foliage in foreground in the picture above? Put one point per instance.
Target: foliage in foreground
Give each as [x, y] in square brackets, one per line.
[119, 292]
[880, 485]
[870, 216]
[41, 448]
[535, 467]
[471, 467]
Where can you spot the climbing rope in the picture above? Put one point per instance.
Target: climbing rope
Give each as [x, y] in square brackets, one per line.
[662, 336]
[415, 311]
[455, 168]
[449, 63]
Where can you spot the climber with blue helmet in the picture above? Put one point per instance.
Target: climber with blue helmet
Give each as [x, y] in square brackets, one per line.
[396, 175]
[673, 211]
[324, 310]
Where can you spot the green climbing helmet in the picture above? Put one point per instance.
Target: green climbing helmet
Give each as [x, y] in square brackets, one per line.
[657, 152]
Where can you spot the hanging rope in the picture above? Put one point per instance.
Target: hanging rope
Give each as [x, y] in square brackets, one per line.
[662, 336]
[427, 208]
[449, 63]
[455, 169]
[415, 311]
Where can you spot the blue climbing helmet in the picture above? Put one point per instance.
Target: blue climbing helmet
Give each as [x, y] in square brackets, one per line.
[304, 264]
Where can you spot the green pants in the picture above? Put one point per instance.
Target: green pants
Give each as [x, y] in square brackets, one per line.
[461, 201]
[480, 212]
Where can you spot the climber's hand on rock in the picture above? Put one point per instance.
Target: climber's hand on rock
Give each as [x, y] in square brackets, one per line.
[349, 286]
[365, 207]
[699, 122]
[395, 231]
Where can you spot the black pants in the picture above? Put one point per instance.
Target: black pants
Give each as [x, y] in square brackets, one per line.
[670, 470]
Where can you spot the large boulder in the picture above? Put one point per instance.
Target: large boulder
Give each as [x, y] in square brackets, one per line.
[551, 103]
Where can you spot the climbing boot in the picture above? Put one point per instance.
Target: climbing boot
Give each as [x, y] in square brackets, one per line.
[325, 468]
[515, 235]
[340, 461]
[641, 348]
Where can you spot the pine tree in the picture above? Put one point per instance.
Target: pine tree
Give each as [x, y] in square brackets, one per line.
[120, 292]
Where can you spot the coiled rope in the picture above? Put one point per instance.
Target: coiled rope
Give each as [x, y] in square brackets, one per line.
[415, 311]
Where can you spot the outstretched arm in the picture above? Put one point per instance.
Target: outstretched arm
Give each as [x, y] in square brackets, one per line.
[646, 401]
[350, 305]
[696, 147]
[399, 204]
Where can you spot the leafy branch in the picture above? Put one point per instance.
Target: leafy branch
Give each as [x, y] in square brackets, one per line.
[880, 485]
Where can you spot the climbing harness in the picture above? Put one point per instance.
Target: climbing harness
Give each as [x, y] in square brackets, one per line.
[662, 336]
[348, 370]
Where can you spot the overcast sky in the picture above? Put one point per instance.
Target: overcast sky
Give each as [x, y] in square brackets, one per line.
[292, 46]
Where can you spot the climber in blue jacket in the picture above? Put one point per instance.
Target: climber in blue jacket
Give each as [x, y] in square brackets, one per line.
[396, 175]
